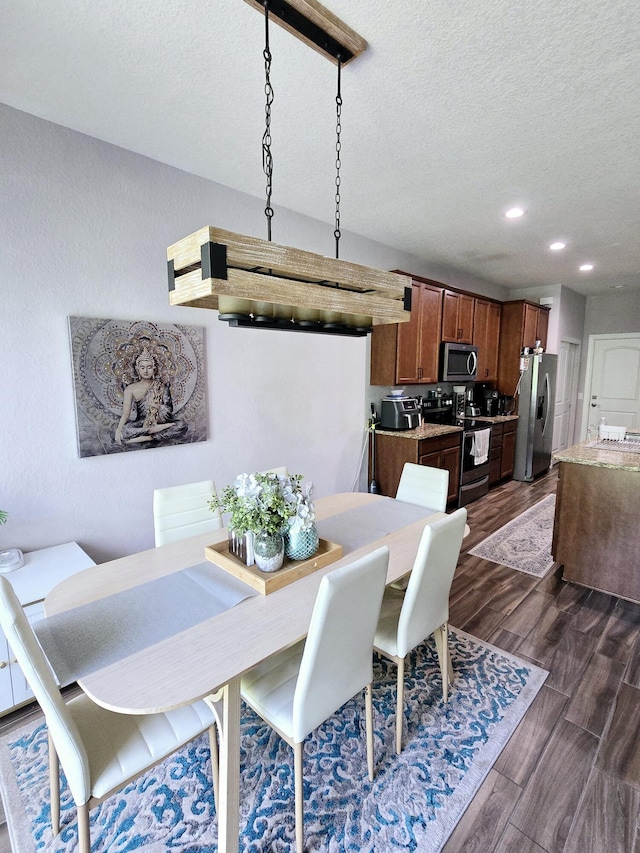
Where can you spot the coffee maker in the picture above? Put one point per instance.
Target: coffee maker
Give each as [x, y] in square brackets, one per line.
[486, 400]
[472, 409]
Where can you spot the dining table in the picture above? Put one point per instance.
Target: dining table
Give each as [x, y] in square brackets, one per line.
[176, 658]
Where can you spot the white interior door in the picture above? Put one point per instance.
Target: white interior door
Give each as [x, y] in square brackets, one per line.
[614, 391]
[564, 418]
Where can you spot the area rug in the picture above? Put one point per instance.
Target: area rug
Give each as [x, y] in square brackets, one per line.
[413, 804]
[524, 543]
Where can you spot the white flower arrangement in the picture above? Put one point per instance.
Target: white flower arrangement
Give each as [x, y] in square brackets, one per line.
[264, 502]
[305, 513]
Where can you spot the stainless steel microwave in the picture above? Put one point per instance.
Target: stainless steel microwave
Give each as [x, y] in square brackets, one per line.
[458, 362]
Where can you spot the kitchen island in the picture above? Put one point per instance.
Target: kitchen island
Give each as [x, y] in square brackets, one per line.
[595, 531]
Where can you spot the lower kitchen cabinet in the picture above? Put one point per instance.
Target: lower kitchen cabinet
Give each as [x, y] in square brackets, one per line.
[508, 449]
[502, 452]
[392, 451]
[32, 582]
[495, 455]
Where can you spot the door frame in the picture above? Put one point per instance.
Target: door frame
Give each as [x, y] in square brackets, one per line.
[589, 372]
[574, 386]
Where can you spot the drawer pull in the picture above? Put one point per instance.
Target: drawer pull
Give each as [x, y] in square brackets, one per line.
[3, 664]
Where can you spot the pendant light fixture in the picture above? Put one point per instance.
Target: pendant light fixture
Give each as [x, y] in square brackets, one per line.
[258, 283]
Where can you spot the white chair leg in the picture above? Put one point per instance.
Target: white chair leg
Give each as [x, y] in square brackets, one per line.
[441, 636]
[54, 787]
[84, 838]
[215, 762]
[299, 796]
[368, 704]
[399, 705]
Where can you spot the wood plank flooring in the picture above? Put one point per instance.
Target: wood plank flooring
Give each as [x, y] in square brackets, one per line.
[568, 781]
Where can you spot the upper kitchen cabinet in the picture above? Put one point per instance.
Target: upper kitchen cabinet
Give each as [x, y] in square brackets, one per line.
[407, 353]
[486, 336]
[457, 317]
[542, 327]
[522, 324]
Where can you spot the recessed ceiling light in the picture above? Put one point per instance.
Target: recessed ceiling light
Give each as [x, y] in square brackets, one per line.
[586, 267]
[555, 247]
[514, 213]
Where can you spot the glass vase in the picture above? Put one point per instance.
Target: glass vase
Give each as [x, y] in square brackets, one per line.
[301, 543]
[268, 551]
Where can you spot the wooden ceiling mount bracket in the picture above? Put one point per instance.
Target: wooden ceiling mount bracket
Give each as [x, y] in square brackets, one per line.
[316, 26]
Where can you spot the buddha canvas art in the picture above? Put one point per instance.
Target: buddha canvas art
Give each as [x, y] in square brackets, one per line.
[137, 384]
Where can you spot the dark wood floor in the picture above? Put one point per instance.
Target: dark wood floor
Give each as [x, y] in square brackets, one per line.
[568, 781]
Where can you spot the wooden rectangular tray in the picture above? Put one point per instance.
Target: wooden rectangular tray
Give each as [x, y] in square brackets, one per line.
[266, 582]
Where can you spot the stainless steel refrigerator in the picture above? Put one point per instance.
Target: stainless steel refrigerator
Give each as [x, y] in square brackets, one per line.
[536, 399]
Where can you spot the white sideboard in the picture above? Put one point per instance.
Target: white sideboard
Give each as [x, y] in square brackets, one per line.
[32, 582]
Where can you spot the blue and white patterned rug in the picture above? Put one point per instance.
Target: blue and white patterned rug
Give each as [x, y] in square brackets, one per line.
[525, 542]
[413, 804]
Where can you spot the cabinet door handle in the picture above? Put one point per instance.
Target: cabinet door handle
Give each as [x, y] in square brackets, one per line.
[3, 664]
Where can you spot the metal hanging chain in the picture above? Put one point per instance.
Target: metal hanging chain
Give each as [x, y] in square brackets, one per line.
[267, 158]
[336, 232]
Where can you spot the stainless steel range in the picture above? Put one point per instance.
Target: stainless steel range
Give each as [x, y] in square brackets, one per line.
[476, 441]
[474, 468]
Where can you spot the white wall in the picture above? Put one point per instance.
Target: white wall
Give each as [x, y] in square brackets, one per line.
[84, 228]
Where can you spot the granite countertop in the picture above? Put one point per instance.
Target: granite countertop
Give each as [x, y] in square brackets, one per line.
[586, 453]
[434, 430]
[424, 431]
[498, 419]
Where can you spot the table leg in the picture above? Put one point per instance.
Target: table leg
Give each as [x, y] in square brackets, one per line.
[226, 706]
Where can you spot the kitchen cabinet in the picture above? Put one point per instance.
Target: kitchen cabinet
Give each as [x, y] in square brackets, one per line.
[32, 582]
[502, 452]
[393, 450]
[486, 336]
[522, 323]
[596, 520]
[457, 317]
[542, 327]
[407, 353]
[495, 455]
[508, 449]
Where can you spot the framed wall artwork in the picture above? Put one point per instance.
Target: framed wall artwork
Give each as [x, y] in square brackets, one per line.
[137, 385]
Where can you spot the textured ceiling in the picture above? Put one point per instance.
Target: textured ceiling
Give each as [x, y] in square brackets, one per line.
[455, 112]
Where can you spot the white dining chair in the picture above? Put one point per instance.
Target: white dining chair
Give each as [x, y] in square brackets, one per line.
[100, 751]
[183, 511]
[424, 486]
[296, 690]
[408, 617]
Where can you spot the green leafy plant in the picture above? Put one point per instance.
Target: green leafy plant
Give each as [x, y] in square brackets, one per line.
[257, 502]
[3, 516]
